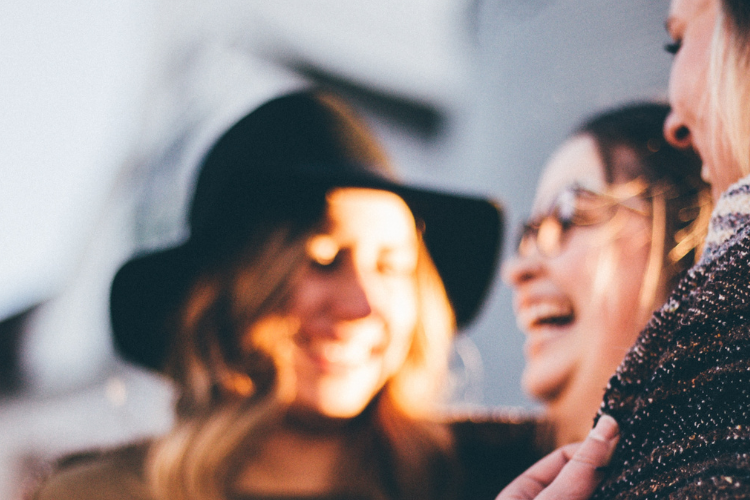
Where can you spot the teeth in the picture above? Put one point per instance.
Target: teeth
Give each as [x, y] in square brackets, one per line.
[341, 353]
[350, 354]
[534, 314]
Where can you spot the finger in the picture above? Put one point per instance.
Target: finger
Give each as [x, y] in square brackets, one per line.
[537, 477]
[581, 475]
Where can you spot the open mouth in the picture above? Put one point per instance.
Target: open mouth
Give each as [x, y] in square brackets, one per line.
[545, 314]
[555, 320]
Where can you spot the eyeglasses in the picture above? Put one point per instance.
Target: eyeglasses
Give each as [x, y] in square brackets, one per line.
[578, 206]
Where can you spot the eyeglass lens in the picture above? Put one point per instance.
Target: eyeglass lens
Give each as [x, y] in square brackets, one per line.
[574, 206]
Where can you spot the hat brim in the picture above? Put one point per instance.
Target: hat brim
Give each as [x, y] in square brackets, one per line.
[462, 233]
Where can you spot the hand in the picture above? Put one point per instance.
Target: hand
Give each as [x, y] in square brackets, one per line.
[569, 473]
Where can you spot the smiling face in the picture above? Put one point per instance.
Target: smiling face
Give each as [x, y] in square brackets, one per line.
[355, 303]
[691, 26]
[579, 307]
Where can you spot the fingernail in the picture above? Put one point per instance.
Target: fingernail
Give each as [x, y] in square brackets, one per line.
[606, 429]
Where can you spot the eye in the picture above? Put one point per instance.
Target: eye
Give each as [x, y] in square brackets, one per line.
[323, 251]
[326, 265]
[387, 268]
[526, 233]
[566, 208]
[398, 263]
[529, 228]
[592, 209]
[550, 234]
[673, 47]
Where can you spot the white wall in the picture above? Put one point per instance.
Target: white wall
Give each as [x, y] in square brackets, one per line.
[94, 92]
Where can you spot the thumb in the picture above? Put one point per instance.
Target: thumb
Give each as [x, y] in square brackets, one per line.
[581, 475]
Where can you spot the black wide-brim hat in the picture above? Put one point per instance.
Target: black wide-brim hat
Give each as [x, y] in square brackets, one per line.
[273, 165]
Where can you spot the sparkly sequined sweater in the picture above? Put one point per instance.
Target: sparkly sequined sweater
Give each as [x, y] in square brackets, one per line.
[682, 394]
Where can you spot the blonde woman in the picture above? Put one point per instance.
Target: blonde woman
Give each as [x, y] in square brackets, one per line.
[306, 324]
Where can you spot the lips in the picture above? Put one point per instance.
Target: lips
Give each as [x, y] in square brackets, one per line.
[544, 321]
[539, 314]
[331, 356]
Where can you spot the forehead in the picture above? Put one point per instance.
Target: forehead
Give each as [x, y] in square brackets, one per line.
[576, 161]
[370, 215]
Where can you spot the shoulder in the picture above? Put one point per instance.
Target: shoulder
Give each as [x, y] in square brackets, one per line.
[493, 449]
[685, 382]
[114, 474]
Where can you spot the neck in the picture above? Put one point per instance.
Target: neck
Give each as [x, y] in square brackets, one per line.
[301, 458]
[567, 430]
[572, 416]
[306, 422]
[731, 211]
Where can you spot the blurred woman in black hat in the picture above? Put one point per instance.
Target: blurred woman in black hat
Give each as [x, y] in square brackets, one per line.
[306, 324]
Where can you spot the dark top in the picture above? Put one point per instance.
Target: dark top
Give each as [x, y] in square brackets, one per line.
[490, 452]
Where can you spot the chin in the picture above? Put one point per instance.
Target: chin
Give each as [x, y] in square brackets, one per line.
[333, 404]
[542, 388]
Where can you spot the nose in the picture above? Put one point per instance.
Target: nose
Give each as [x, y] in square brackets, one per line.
[676, 132]
[351, 299]
[520, 269]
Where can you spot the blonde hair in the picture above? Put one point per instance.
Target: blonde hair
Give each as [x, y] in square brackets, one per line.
[233, 386]
[729, 84]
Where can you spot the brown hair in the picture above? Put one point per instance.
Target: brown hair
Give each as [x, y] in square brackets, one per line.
[631, 145]
[231, 368]
[231, 387]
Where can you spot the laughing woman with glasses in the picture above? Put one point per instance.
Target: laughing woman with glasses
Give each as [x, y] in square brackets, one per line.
[619, 215]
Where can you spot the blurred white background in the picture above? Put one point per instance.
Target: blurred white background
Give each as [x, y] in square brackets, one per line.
[105, 103]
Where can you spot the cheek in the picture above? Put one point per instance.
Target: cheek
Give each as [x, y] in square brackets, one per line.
[688, 85]
[602, 276]
[402, 309]
[546, 375]
[306, 294]
[574, 270]
[681, 89]
[401, 316]
[606, 290]
[620, 311]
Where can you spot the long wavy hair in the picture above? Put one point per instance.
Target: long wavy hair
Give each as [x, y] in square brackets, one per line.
[232, 369]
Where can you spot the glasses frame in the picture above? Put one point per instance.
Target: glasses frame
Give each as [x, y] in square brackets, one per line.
[564, 214]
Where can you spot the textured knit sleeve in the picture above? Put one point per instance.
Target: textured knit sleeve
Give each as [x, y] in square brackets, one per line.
[682, 394]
